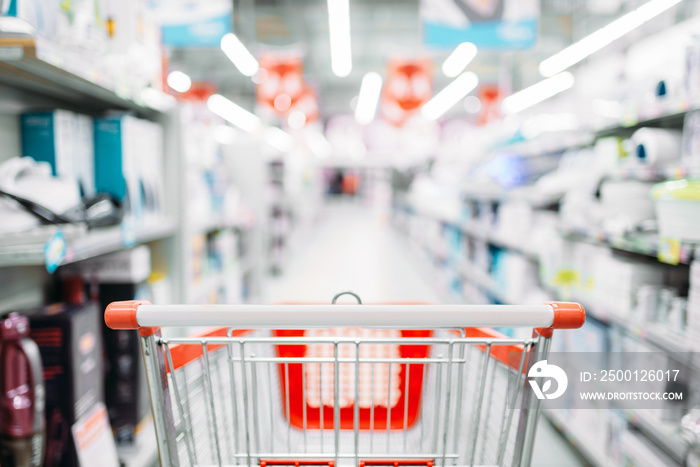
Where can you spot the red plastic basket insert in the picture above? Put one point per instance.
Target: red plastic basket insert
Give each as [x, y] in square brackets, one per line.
[392, 382]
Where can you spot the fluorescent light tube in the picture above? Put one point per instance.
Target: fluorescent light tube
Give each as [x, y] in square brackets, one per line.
[179, 81]
[239, 55]
[233, 113]
[450, 95]
[370, 90]
[603, 37]
[279, 139]
[536, 93]
[459, 59]
[339, 31]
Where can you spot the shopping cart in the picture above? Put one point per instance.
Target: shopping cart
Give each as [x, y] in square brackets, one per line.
[366, 385]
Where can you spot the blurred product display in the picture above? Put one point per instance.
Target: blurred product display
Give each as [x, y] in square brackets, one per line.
[509, 152]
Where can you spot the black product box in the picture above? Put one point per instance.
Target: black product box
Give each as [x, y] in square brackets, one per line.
[126, 391]
[70, 342]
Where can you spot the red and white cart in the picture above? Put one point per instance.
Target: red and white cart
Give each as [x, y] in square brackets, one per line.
[334, 385]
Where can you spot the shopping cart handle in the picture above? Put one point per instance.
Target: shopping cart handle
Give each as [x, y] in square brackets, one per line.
[139, 314]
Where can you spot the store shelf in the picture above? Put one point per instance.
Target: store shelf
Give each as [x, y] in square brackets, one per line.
[669, 436]
[204, 287]
[579, 439]
[15, 250]
[38, 66]
[668, 113]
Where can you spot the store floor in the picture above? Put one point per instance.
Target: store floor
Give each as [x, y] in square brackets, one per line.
[353, 247]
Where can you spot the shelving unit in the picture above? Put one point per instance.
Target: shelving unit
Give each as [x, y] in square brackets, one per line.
[579, 439]
[81, 244]
[36, 65]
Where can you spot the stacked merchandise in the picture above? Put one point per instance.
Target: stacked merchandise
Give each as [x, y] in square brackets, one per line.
[113, 43]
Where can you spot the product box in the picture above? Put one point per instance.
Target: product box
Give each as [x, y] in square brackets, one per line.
[128, 162]
[125, 378]
[47, 136]
[132, 265]
[70, 340]
[84, 153]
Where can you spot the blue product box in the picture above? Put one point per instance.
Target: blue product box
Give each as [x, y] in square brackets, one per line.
[115, 171]
[47, 136]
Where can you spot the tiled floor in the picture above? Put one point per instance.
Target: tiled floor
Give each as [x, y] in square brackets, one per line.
[354, 248]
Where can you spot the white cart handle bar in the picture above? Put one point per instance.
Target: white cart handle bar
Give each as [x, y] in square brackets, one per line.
[141, 315]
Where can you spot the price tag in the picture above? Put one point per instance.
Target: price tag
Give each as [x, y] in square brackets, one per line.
[669, 250]
[94, 441]
[55, 251]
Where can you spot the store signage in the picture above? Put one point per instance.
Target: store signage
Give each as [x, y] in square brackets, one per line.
[283, 89]
[193, 23]
[409, 85]
[489, 24]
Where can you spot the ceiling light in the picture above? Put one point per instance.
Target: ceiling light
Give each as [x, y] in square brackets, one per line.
[239, 55]
[279, 139]
[536, 93]
[450, 95]
[339, 29]
[370, 89]
[296, 120]
[224, 134]
[233, 113]
[179, 81]
[459, 59]
[603, 37]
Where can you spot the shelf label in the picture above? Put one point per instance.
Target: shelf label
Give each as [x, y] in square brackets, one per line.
[669, 250]
[94, 442]
[55, 250]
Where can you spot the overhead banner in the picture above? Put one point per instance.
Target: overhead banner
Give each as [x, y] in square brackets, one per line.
[193, 23]
[409, 85]
[282, 88]
[490, 24]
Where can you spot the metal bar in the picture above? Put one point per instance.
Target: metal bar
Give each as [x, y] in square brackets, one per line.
[244, 383]
[489, 398]
[388, 412]
[327, 316]
[304, 404]
[210, 388]
[207, 407]
[254, 393]
[272, 418]
[460, 394]
[321, 407]
[533, 412]
[447, 404]
[224, 413]
[487, 357]
[154, 364]
[234, 400]
[346, 360]
[406, 390]
[189, 435]
[347, 340]
[287, 392]
[350, 455]
[371, 415]
[505, 434]
[438, 391]
[336, 402]
[356, 421]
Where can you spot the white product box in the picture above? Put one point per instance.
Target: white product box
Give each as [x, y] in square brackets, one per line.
[84, 153]
[125, 266]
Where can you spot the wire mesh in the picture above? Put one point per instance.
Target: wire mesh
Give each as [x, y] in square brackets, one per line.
[247, 398]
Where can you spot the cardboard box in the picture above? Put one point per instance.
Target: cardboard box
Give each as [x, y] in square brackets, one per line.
[70, 341]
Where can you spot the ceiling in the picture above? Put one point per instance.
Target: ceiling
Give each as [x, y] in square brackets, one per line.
[380, 29]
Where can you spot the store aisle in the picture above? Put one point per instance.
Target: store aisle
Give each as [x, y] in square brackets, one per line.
[354, 248]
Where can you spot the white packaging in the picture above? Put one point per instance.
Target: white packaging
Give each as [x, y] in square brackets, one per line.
[124, 266]
[626, 204]
[84, 153]
[657, 147]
